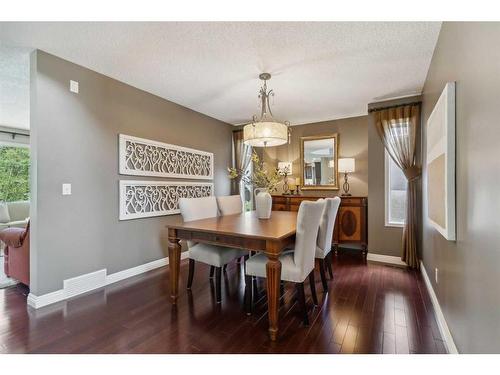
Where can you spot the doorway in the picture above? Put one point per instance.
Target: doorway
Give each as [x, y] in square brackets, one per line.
[14, 196]
[14, 156]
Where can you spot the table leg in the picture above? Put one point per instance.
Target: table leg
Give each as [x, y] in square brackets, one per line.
[273, 274]
[174, 260]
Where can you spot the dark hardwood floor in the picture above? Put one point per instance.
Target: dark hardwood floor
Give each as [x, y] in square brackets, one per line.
[370, 308]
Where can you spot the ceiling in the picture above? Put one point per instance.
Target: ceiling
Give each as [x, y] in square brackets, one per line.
[320, 71]
[14, 87]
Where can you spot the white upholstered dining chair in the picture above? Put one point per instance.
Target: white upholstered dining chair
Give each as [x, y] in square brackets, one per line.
[230, 205]
[296, 264]
[216, 256]
[325, 234]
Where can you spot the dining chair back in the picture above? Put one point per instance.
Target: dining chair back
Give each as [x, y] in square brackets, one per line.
[308, 219]
[326, 225]
[325, 234]
[198, 208]
[229, 205]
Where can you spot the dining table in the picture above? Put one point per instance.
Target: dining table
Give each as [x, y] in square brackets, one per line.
[244, 231]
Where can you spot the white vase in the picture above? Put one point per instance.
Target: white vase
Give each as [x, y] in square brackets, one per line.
[263, 203]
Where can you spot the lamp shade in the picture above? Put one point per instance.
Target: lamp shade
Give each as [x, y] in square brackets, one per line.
[285, 166]
[265, 134]
[346, 165]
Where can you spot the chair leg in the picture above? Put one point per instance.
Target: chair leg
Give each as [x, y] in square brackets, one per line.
[218, 274]
[301, 298]
[248, 294]
[245, 258]
[191, 273]
[212, 270]
[322, 274]
[312, 285]
[255, 293]
[329, 264]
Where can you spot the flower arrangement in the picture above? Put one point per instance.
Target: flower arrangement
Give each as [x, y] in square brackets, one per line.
[285, 172]
[260, 177]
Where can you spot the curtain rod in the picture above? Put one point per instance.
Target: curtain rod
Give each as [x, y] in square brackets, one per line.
[393, 106]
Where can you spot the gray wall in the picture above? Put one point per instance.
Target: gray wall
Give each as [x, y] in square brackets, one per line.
[353, 142]
[75, 140]
[469, 279]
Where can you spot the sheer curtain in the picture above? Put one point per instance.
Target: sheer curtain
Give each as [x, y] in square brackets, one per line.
[397, 128]
[241, 160]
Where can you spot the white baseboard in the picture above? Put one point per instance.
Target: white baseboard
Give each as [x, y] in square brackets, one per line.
[388, 259]
[45, 299]
[125, 274]
[441, 321]
[93, 280]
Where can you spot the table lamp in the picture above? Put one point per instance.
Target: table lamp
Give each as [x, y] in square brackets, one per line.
[346, 165]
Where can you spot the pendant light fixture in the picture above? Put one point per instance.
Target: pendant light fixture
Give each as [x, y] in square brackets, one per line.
[266, 131]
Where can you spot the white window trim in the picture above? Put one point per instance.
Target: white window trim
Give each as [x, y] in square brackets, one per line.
[14, 137]
[387, 192]
[242, 186]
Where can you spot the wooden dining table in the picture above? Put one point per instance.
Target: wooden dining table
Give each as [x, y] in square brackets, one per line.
[244, 231]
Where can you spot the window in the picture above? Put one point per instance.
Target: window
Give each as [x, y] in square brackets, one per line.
[246, 190]
[395, 193]
[14, 173]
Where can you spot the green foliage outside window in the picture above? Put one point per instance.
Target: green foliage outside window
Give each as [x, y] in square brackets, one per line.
[14, 173]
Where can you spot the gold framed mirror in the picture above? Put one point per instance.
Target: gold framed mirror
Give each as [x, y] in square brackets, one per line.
[319, 162]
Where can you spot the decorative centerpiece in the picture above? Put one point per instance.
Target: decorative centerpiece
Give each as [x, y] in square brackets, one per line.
[285, 169]
[264, 183]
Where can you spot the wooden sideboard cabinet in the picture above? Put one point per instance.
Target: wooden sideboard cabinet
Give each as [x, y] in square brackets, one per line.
[351, 225]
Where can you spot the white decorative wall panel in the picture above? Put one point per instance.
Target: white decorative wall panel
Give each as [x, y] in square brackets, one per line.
[144, 157]
[157, 198]
[441, 164]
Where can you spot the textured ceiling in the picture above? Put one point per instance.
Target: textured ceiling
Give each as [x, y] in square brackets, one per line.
[14, 87]
[321, 71]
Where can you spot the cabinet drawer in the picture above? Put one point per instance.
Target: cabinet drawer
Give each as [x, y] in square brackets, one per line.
[279, 207]
[299, 200]
[277, 199]
[352, 201]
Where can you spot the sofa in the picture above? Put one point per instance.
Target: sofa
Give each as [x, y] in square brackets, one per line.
[14, 214]
[17, 253]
